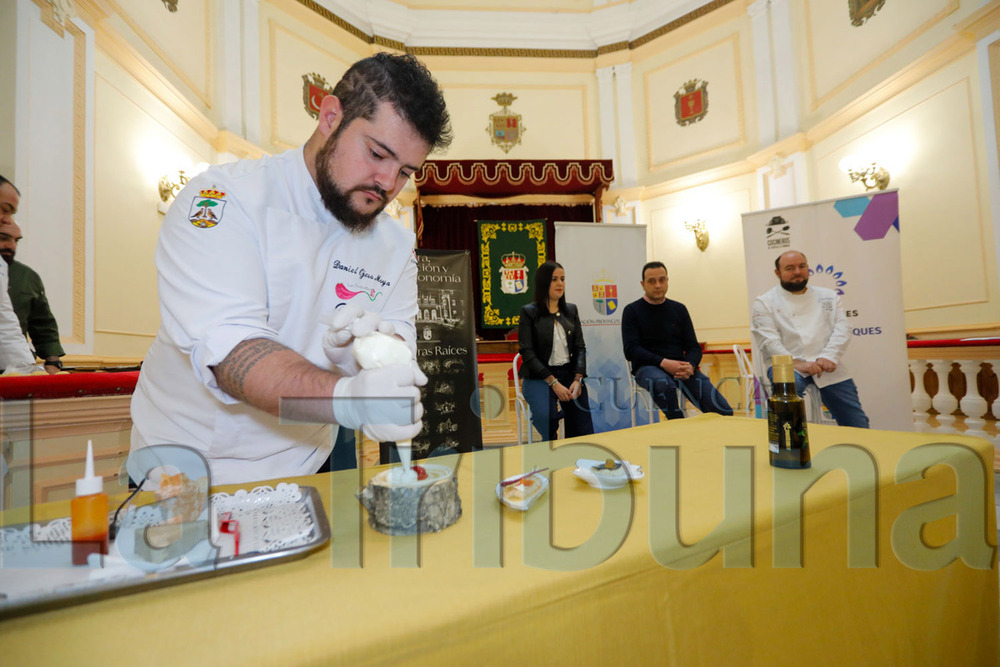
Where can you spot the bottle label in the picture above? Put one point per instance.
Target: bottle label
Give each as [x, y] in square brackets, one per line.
[786, 429]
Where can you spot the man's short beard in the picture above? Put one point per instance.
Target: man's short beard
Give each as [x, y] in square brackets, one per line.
[796, 286]
[7, 257]
[336, 200]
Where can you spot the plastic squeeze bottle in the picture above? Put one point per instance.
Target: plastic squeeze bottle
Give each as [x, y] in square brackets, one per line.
[89, 513]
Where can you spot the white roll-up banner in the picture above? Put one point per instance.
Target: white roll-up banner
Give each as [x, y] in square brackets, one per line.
[603, 264]
[852, 245]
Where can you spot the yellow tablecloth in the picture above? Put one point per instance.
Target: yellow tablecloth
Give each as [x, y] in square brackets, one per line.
[494, 589]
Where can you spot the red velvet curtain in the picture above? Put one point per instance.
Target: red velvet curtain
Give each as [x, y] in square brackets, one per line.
[454, 228]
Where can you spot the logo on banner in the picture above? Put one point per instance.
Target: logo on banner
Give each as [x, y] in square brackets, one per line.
[691, 102]
[778, 234]
[605, 296]
[513, 274]
[828, 276]
[505, 126]
[207, 207]
[314, 89]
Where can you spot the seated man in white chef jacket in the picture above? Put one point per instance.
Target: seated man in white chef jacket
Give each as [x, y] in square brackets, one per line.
[807, 322]
[267, 270]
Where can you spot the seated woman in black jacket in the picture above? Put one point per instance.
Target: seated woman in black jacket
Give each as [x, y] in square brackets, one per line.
[554, 358]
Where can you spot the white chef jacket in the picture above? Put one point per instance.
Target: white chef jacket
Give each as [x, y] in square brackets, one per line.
[275, 264]
[807, 326]
[15, 355]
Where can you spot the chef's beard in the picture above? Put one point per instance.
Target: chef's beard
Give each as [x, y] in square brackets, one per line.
[8, 256]
[796, 286]
[336, 200]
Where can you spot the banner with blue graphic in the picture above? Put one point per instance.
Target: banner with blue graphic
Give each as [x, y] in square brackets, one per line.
[603, 263]
[852, 245]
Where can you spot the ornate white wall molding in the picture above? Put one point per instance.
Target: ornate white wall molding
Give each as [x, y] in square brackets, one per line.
[626, 126]
[606, 101]
[786, 85]
[760, 21]
[510, 29]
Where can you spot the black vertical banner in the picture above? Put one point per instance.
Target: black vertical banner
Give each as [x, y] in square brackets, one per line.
[446, 353]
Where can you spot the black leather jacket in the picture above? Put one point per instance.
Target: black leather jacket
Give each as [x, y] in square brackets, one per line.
[534, 335]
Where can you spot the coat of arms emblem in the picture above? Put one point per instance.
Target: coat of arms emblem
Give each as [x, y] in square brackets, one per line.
[207, 207]
[691, 102]
[862, 10]
[505, 128]
[605, 296]
[513, 274]
[314, 89]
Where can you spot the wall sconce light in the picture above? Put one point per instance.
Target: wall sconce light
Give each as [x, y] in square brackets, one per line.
[168, 190]
[871, 174]
[700, 233]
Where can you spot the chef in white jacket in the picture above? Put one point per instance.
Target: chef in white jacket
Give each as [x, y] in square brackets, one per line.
[15, 354]
[808, 323]
[269, 268]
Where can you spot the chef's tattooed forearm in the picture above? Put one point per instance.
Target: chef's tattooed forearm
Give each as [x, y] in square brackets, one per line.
[232, 372]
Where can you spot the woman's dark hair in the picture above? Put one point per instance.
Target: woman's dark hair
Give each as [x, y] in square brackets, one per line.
[404, 82]
[543, 279]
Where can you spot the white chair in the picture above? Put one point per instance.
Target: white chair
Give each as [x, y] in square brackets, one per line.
[522, 413]
[642, 395]
[750, 386]
[815, 412]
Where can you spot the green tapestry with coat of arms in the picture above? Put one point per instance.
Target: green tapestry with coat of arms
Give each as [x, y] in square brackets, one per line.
[510, 253]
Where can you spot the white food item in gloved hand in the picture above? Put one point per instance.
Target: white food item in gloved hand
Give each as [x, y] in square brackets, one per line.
[377, 350]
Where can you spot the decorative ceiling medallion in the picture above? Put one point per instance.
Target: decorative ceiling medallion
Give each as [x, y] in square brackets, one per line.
[314, 89]
[862, 10]
[691, 102]
[505, 128]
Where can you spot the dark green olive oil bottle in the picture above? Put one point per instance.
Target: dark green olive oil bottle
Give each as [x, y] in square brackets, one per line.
[786, 418]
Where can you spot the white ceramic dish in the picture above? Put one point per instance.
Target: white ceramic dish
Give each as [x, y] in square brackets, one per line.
[539, 478]
[585, 471]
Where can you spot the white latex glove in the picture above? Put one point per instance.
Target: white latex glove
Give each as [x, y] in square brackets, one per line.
[384, 402]
[351, 322]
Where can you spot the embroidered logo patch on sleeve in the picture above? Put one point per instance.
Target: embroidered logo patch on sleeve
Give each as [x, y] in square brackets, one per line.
[207, 207]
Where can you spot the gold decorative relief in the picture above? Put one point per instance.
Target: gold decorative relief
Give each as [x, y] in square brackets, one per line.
[862, 10]
[314, 89]
[691, 102]
[505, 128]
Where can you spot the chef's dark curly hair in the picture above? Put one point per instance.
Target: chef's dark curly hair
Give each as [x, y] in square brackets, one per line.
[404, 82]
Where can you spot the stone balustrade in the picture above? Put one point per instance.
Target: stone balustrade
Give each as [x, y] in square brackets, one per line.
[954, 387]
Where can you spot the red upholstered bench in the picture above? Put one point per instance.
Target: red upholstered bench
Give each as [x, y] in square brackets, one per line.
[67, 385]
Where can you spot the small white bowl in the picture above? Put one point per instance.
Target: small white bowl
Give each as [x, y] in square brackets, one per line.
[585, 471]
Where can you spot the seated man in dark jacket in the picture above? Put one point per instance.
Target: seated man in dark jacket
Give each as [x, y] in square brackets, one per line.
[27, 295]
[660, 343]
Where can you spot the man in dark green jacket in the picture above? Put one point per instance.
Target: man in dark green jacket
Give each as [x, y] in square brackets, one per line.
[27, 294]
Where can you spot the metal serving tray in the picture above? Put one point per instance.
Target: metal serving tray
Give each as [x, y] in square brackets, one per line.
[36, 572]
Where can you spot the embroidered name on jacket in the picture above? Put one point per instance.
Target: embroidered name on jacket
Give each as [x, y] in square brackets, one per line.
[350, 288]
